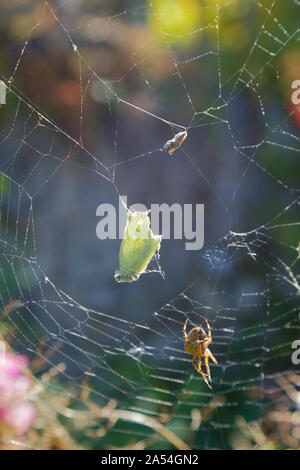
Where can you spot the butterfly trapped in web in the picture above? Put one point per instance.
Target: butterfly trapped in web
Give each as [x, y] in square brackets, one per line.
[138, 247]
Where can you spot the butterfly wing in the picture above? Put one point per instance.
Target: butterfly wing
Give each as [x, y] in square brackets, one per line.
[138, 247]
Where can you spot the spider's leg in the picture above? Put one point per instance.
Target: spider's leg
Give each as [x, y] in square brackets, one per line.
[205, 380]
[199, 370]
[208, 329]
[184, 327]
[207, 367]
[205, 377]
[199, 365]
[211, 356]
[193, 362]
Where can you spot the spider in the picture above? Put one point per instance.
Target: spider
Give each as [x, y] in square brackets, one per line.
[196, 343]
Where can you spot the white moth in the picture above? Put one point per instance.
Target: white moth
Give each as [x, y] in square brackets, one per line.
[173, 144]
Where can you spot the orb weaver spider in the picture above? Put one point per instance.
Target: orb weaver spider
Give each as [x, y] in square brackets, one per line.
[196, 342]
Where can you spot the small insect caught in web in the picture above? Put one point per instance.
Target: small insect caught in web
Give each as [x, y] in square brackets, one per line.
[138, 247]
[173, 144]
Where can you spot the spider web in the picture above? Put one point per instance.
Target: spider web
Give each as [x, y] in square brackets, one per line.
[95, 343]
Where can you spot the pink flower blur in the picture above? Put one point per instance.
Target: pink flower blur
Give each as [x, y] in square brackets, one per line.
[16, 412]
